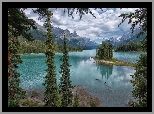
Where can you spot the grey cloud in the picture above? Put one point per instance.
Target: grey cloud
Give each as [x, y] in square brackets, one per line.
[56, 22]
[32, 14]
[105, 24]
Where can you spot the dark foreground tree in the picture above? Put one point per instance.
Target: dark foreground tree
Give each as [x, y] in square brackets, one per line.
[51, 88]
[15, 93]
[140, 76]
[65, 86]
[18, 24]
[140, 82]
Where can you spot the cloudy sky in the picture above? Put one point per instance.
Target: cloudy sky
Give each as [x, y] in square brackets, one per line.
[105, 25]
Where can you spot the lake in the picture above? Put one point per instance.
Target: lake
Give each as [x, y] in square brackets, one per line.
[112, 86]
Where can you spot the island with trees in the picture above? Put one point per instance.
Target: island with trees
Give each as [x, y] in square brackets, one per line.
[104, 55]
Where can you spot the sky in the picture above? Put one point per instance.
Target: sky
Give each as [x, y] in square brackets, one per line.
[104, 26]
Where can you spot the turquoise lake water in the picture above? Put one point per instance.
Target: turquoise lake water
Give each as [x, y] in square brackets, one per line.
[116, 92]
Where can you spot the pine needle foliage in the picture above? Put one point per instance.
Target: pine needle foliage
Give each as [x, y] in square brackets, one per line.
[15, 93]
[65, 86]
[18, 24]
[51, 88]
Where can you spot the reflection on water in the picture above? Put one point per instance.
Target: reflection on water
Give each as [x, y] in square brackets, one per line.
[105, 71]
[111, 84]
[115, 89]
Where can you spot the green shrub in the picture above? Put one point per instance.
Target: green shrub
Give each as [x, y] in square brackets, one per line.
[30, 103]
[12, 103]
[92, 103]
[76, 101]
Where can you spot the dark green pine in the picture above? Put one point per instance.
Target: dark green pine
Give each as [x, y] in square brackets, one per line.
[18, 24]
[65, 86]
[140, 82]
[15, 93]
[51, 88]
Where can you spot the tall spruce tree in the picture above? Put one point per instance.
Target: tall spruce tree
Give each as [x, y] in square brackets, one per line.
[99, 52]
[104, 48]
[18, 24]
[15, 93]
[51, 88]
[65, 86]
[110, 48]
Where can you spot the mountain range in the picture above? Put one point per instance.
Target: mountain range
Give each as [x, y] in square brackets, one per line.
[73, 39]
[127, 37]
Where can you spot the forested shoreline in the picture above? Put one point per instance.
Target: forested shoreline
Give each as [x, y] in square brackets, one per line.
[130, 47]
[38, 46]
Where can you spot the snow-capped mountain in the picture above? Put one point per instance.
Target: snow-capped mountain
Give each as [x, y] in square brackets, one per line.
[126, 38]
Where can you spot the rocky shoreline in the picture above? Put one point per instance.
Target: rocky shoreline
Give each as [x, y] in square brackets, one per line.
[85, 99]
[35, 98]
[114, 61]
[104, 62]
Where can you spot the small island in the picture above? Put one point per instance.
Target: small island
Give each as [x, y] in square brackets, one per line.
[104, 56]
[114, 61]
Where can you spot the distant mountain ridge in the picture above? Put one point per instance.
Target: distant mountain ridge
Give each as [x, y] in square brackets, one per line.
[73, 39]
[127, 37]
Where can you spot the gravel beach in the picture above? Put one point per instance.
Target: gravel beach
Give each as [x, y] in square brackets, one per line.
[85, 99]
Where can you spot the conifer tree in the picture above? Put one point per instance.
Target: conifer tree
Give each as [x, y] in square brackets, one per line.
[107, 51]
[104, 50]
[140, 82]
[15, 93]
[97, 52]
[65, 86]
[110, 48]
[18, 24]
[51, 88]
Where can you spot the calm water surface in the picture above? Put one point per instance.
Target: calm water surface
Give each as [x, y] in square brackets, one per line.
[127, 56]
[116, 92]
